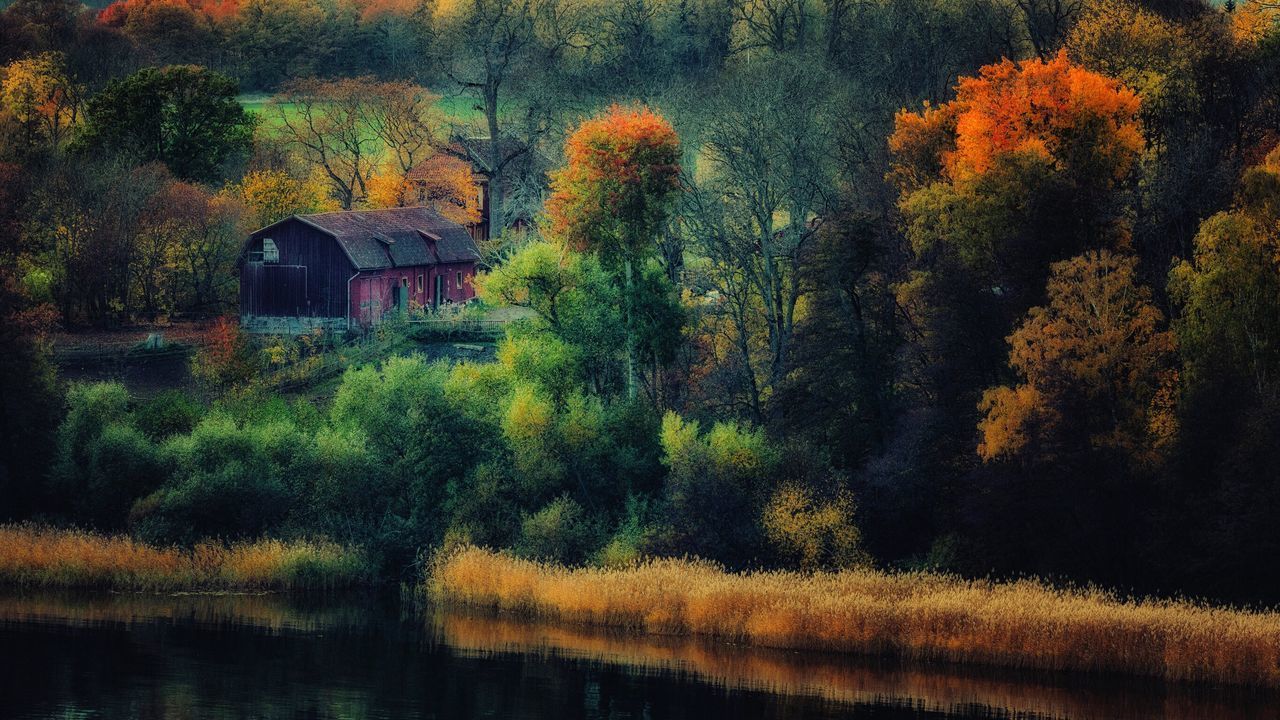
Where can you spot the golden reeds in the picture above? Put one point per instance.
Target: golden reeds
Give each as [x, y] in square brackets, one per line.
[37, 556]
[1023, 624]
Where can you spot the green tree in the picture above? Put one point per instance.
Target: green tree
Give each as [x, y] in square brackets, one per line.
[613, 198]
[184, 116]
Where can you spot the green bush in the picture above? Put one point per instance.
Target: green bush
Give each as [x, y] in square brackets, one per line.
[170, 413]
[559, 532]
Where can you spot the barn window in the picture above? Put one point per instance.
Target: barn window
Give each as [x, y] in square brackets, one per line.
[270, 253]
[459, 281]
[404, 281]
[420, 285]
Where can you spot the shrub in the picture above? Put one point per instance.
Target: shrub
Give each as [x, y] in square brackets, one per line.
[811, 534]
[170, 413]
[560, 532]
[725, 473]
[228, 359]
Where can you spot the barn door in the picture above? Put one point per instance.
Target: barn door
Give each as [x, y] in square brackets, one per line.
[439, 291]
[275, 290]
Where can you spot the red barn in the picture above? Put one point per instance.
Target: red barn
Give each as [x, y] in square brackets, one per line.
[341, 270]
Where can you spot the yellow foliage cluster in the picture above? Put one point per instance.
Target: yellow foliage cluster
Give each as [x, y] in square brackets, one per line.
[812, 533]
[32, 555]
[924, 616]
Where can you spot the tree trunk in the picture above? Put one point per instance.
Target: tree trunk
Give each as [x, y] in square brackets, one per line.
[496, 224]
[631, 340]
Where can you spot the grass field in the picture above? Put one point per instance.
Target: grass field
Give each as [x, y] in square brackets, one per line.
[917, 616]
[37, 556]
[457, 109]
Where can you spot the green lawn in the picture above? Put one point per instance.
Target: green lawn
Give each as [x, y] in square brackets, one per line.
[461, 110]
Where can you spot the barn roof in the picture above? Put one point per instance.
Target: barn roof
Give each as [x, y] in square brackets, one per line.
[395, 237]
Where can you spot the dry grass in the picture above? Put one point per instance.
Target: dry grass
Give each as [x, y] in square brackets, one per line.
[36, 556]
[1022, 624]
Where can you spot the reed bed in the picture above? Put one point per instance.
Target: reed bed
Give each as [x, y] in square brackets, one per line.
[916, 616]
[38, 556]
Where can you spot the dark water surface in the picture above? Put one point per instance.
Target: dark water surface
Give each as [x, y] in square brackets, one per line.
[374, 656]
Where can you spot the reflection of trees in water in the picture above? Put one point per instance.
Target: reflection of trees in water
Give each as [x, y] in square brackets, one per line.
[840, 679]
[272, 612]
[369, 654]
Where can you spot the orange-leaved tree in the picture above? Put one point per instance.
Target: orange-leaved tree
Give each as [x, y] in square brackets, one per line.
[1077, 121]
[1029, 165]
[1096, 368]
[613, 196]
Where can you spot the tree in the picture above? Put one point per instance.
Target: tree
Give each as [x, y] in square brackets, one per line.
[497, 42]
[761, 196]
[613, 196]
[1072, 452]
[42, 97]
[1228, 290]
[1029, 165]
[273, 195]
[326, 122]
[1095, 368]
[197, 237]
[184, 116]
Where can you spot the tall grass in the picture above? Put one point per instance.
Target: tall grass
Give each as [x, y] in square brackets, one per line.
[1023, 624]
[37, 556]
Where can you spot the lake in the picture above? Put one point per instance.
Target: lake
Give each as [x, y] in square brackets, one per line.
[378, 655]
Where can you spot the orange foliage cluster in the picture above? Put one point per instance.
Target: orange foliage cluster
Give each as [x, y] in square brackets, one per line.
[442, 182]
[118, 13]
[45, 557]
[1054, 109]
[619, 167]
[1097, 344]
[1023, 624]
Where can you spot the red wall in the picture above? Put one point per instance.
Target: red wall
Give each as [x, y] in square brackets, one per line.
[372, 291]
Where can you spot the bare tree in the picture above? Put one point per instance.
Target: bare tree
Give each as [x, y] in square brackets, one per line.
[496, 40]
[768, 149]
[405, 118]
[326, 122]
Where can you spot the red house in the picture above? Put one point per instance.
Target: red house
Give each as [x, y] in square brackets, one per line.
[341, 270]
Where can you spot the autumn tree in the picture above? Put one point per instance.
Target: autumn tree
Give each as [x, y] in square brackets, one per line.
[613, 196]
[189, 242]
[187, 117]
[273, 195]
[1094, 366]
[1197, 82]
[1073, 450]
[1029, 165]
[44, 100]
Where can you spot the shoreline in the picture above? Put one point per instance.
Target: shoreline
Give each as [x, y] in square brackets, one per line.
[910, 616]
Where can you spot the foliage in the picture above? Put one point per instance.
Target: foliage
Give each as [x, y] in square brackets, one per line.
[1228, 326]
[728, 471]
[228, 357]
[810, 533]
[622, 170]
[274, 195]
[42, 97]
[1094, 363]
[186, 117]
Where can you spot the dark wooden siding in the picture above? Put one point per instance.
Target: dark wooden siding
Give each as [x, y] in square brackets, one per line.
[310, 280]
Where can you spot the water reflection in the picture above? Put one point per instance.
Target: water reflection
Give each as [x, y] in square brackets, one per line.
[372, 656]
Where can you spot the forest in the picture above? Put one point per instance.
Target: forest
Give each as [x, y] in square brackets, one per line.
[989, 287]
